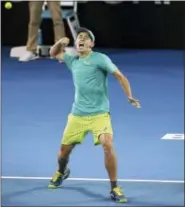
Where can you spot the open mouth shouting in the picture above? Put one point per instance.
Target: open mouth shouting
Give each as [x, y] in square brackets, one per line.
[81, 45]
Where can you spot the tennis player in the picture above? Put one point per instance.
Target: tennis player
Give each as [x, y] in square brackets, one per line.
[90, 110]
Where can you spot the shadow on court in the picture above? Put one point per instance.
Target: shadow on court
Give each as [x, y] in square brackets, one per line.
[35, 192]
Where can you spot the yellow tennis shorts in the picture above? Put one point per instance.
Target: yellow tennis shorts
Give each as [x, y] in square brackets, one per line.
[78, 127]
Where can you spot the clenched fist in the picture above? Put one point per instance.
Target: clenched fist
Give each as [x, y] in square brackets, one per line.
[64, 41]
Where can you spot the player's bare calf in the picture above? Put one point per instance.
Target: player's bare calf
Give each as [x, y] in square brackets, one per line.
[109, 156]
[63, 172]
[106, 141]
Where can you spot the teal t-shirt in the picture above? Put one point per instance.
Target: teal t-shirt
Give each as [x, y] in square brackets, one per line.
[90, 82]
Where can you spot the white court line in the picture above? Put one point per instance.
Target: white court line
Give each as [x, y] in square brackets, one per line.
[94, 179]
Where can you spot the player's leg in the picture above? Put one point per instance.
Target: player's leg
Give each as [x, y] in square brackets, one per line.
[63, 157]
[74, 133]
[106, 140]
[103, 134]
[63, 172]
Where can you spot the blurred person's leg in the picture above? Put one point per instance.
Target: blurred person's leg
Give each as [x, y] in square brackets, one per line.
[58, 24]
[35, 10]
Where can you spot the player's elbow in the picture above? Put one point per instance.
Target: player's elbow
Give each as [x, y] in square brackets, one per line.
[118, 75]
[52, 53]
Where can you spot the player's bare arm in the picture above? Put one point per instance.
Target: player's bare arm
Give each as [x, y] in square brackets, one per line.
[126, 87]
[58, 49]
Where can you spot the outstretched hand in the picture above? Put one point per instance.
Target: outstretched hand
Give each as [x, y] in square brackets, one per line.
[134, 102]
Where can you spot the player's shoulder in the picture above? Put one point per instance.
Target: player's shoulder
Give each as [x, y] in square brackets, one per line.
[70, 54]
[70, 57]
[100, 56]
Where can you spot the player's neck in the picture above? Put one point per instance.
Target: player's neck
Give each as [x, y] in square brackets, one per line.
[84, 54]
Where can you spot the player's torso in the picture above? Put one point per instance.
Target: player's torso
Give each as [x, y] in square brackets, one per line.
[87, 75]
[90, 84]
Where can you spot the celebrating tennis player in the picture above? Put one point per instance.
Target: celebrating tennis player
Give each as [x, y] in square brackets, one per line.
[90, 111]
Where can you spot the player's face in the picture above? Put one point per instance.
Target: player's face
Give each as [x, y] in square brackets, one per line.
[84, 42]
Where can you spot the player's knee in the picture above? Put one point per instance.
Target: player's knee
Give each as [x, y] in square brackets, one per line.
[107, 144]
[65, 150]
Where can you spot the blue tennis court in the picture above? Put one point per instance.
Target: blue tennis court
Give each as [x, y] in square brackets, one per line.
[36, 100]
